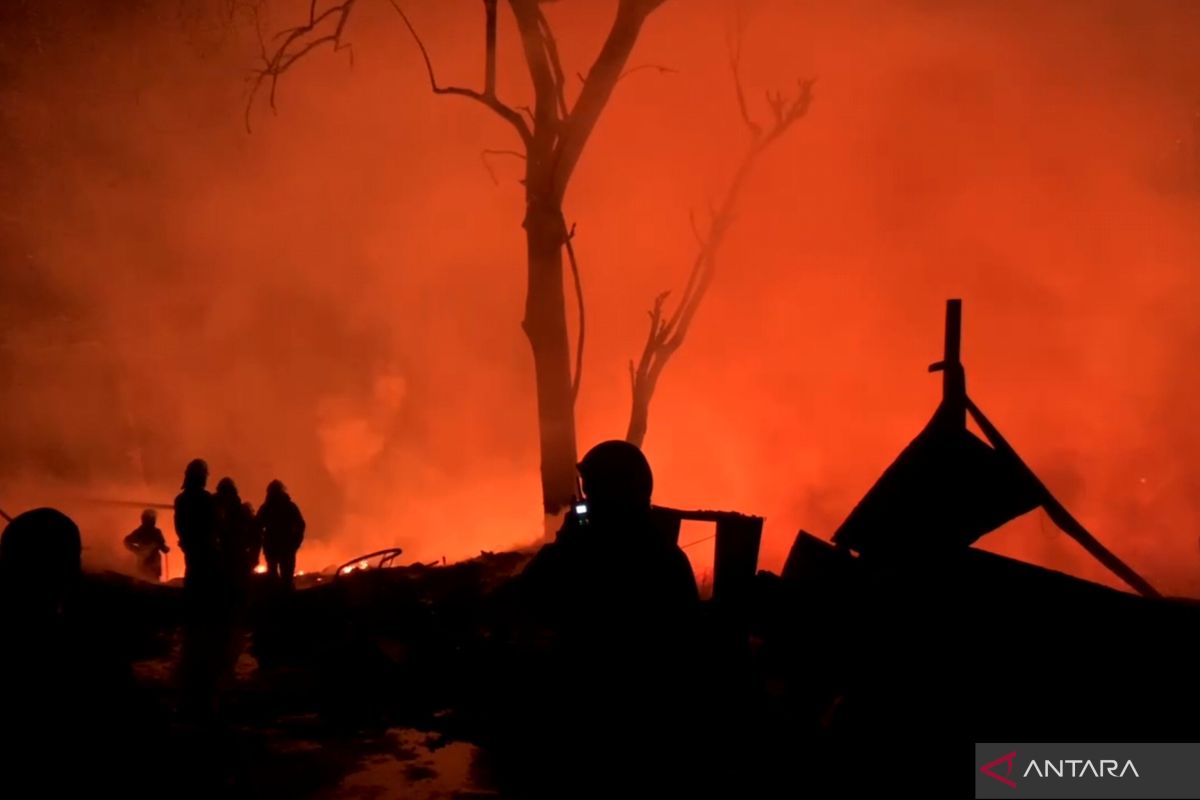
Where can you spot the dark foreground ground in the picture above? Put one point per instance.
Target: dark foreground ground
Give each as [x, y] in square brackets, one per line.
[844, 679]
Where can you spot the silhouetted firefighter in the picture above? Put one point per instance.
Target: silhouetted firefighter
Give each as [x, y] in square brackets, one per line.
[195, 525]
[282, 527]
[205, 660]
[619, 601]
[68, 710]
[147, 544]
[238, 533]
[39, 565]
[39, 575]
[610, 569]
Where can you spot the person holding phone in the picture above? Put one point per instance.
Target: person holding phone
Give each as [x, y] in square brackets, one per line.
[620, 605]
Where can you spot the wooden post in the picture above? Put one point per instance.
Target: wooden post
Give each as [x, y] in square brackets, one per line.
[953, 348]
[954, 383]
[735, 562]
[667, 521]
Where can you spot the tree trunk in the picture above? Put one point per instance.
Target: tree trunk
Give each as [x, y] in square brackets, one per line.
[545, 326]
[639, 418]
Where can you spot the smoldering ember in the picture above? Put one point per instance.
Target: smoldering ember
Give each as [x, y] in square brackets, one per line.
[416, 399]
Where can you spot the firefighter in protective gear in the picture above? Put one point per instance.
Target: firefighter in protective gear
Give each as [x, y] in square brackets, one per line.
[195, 525]
[282, 526]
[238, 533]
[147, 544]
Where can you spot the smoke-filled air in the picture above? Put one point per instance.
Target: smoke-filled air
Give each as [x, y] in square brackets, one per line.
[323, 281]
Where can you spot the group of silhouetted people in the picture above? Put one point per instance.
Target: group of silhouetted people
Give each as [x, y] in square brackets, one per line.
[614, 594]
[221, 536]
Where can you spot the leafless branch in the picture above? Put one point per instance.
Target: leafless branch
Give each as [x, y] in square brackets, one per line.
[295, 43]
[665, 336]
[505, 112]
[640, 67]
[734, 46]
[598, 87]
[551, 46]
[579, 301]
[545, 71]
[487, 164]
[253, 11]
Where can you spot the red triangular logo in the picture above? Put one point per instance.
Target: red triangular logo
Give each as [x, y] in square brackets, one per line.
[986, 769]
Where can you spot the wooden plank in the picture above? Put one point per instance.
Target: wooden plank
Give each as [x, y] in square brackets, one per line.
[736, 560]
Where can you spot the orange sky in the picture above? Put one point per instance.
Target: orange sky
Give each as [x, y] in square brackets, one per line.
[334, 298]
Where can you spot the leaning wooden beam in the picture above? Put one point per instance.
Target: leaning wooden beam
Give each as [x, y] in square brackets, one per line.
[1060, 516]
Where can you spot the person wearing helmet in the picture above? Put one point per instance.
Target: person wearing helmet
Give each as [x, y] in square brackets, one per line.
[614, 606]
[40, 564]
[195, 525]
[147, 544]
[609, 560]
[282, 526]
[68, 705]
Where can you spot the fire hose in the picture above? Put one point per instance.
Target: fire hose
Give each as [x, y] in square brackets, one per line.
[104, 501]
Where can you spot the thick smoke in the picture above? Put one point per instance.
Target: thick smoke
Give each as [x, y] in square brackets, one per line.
[334, 298]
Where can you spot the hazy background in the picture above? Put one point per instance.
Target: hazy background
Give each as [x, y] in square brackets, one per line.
[334, 298]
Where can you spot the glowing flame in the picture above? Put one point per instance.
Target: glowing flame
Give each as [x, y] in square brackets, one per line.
[261, 569]
[346, 570]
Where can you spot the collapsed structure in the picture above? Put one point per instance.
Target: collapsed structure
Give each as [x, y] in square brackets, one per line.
[899, 620]
[948, 487]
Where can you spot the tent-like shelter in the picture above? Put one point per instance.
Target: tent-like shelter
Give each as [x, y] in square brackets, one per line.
[949, 487]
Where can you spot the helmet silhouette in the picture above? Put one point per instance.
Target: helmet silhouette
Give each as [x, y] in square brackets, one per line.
[616, 474]
[196, 474]
[41, 549]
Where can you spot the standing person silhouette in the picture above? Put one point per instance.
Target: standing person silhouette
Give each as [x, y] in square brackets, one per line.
[195, 525]
[282, 527]
[619, 604]
[204, 664]
[237, 532]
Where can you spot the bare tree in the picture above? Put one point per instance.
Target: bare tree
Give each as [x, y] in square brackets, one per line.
[667, 332]
[553, 135]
